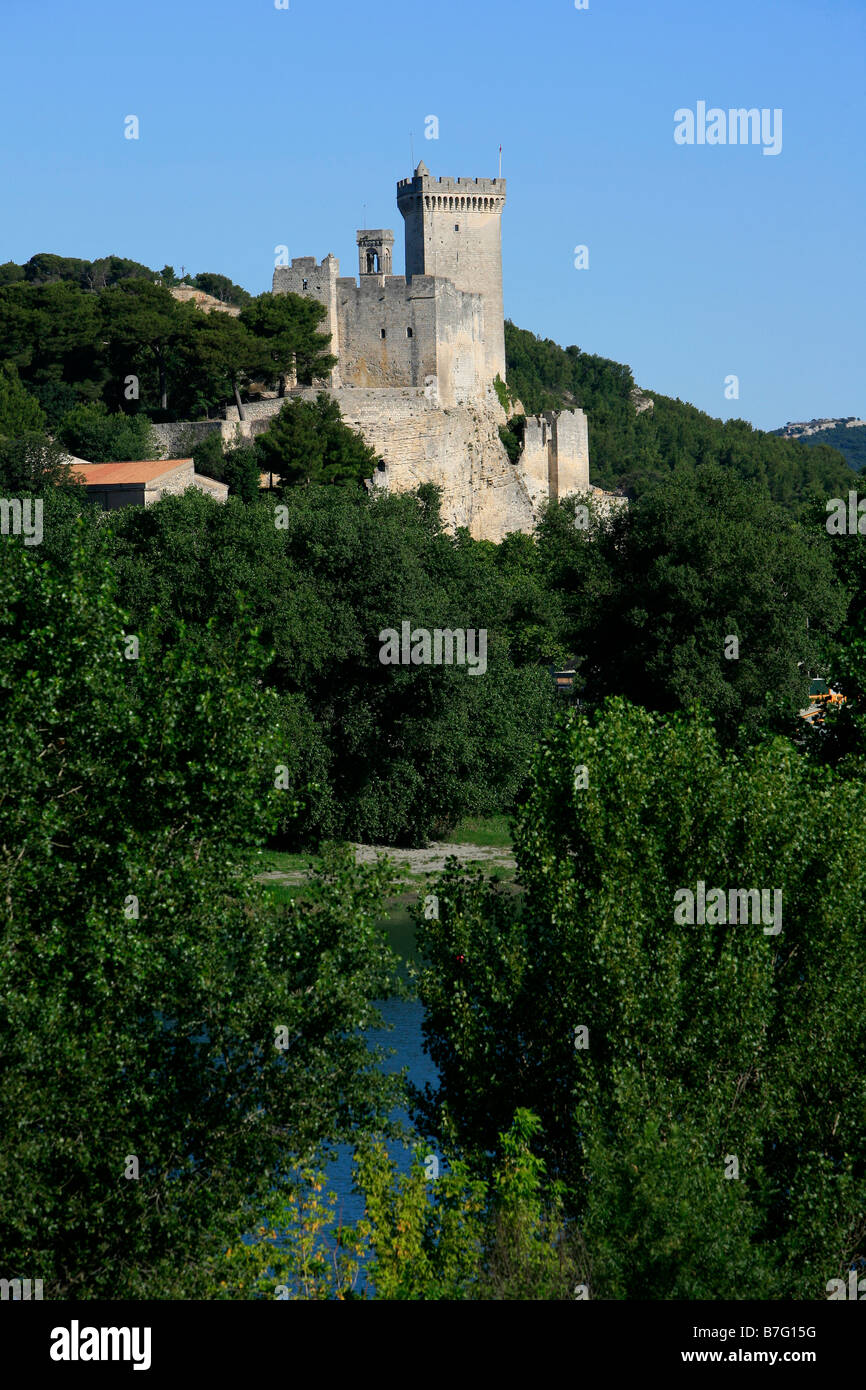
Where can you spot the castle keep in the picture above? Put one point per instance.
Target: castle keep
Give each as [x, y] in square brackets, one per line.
[418, 355]
[440, 325]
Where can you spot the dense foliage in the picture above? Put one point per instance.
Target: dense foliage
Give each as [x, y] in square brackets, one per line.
[703, 1042]
[309, 443]
[90, 432]
[645, 604]
[850, 443]
[142, 973]
[633, 449]
[128, 344]
[392, 753]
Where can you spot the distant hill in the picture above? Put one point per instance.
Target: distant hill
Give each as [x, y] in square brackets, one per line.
[847, 434]
[638, 436]
[45, 269]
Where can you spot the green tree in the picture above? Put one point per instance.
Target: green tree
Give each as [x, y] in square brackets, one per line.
[20, 413]
[33, 463]
[695, 562]
[222, 356]
[454, 1235]
[653, 1049]
[308, 442]
[52, 334]
[143, 323]
[145, 980]
[399, 753]
[91, 433]
[44, 268]
[221, 287]
[289, 326]
[841, 741]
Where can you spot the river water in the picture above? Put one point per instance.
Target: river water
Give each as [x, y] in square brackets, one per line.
[405, 1016]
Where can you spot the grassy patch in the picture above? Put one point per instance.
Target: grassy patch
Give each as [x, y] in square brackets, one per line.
[483, 830]
[284, 892]
[286, 863]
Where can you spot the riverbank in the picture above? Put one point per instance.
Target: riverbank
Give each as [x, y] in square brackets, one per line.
[479, 843]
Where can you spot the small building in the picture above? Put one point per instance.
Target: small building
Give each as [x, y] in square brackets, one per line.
[563, 680]
[141, 484]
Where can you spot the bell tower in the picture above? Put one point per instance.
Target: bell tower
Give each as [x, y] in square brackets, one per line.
[375, 252]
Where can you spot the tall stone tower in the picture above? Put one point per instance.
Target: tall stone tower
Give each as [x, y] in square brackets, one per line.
[453, 230]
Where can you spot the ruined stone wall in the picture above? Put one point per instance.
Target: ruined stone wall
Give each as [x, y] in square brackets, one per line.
[420, 440]
[305, 277]
[535, 458]
[458, 449]
[182, 436]
[555, 454]
[569, 471]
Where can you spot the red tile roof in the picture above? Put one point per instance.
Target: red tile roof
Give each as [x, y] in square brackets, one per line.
[145, 471]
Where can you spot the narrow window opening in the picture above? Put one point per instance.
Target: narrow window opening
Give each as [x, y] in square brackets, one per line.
[408, 332]
[383, 332]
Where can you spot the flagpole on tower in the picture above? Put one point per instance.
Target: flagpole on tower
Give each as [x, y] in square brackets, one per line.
[500, 161]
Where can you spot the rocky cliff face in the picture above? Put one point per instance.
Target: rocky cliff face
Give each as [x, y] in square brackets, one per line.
[457, 448]
[419, 441]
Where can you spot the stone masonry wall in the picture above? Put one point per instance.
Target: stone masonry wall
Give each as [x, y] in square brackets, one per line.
[394, 334]
[569, 452]
[179, 438]
[458, 448]
[317, 282]
[535, 459]
[387, 338]
[555, 454]
[453, 231]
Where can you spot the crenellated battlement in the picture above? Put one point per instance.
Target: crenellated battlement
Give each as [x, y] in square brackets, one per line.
[425, 183]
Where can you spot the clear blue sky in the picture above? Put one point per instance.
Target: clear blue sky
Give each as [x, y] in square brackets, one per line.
[261, 126]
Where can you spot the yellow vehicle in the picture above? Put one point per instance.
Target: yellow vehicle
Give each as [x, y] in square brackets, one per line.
[820, 696]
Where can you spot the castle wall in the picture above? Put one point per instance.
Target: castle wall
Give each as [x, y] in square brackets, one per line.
[555, 458]
[182, 436]
[459, 339]
[569, 452]
[305, 277]
[381, 304]
[394, 335]
[535, 458]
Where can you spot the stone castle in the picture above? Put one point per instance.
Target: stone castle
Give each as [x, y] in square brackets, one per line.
[420, 357]
[440, 325]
